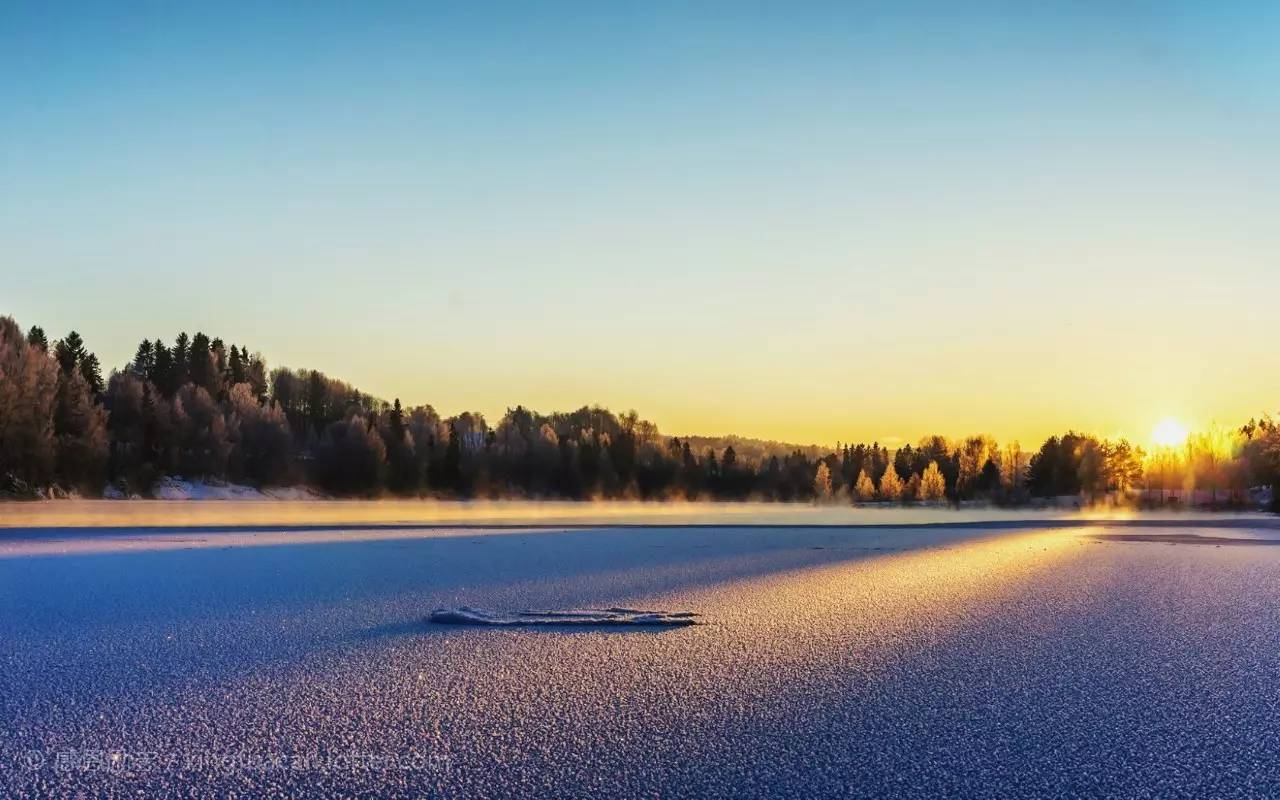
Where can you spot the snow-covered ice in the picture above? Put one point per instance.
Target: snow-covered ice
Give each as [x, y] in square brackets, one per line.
[1015, 660]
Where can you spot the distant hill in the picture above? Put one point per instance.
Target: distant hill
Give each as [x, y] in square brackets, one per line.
[755, 451]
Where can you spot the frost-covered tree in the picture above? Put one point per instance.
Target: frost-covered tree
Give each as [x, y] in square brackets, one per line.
[28, 393]
[891, 484]
[202, 408]
[822, 482]
[933, 487]
[261, 444]
[974, 454]
[1013, 467]
[80, 428]
[133, 462]
[203, 447]
[864, 490]
[351, 457]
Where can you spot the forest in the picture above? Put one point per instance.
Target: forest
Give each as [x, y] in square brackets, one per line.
[206, 410]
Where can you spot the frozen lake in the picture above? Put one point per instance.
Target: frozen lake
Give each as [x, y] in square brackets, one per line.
[922, 653]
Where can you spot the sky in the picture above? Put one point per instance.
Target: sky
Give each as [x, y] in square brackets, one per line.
[806, 222]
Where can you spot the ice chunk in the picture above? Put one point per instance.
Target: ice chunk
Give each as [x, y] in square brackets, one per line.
[465, 615]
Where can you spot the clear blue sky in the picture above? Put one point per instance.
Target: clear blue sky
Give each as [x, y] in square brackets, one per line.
[802, 221]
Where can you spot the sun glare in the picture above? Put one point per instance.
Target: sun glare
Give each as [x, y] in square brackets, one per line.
[1169, 433]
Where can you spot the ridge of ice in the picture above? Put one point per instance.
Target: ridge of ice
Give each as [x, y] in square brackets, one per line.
[591, 617]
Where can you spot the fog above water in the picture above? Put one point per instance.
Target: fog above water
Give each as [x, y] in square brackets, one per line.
[177, 513]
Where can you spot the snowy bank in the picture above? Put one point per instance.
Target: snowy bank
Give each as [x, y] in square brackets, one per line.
[170, 488]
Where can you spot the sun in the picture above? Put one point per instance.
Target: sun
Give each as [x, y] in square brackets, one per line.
[1169, 433]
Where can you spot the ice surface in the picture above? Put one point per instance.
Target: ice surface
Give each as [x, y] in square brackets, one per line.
[947, 661]
[621, 617]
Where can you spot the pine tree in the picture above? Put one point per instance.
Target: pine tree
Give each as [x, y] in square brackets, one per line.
[36, 338]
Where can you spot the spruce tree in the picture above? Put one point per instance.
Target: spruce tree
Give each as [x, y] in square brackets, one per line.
[200, 365]
[397, 420]
[235, 367]
[69, 352]
[143, 360]
[92, 372]
[181, 361]
[163, 371]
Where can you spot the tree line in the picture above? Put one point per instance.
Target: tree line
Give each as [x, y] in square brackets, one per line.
[203, 409]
